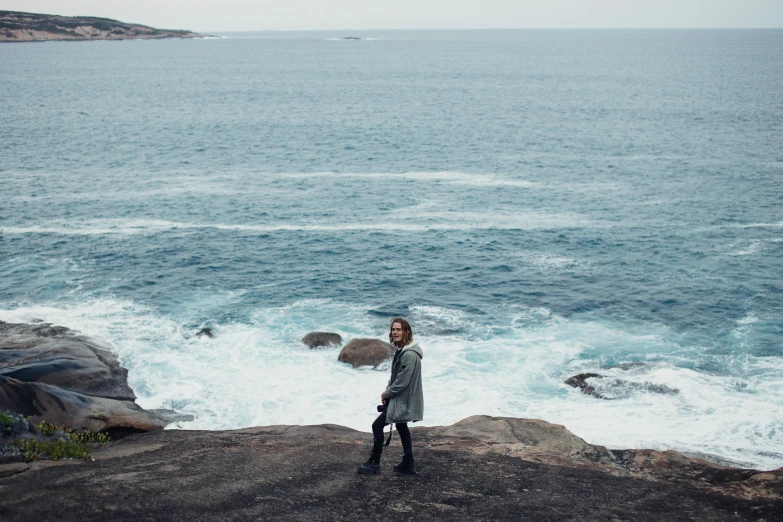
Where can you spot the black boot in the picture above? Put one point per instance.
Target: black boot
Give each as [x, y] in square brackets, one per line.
[406, 467]
[372, 466]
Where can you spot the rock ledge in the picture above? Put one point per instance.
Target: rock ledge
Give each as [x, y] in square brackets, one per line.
[53, 374]
[481, 468]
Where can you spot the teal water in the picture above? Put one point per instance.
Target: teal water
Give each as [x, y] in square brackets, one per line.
[538, 203]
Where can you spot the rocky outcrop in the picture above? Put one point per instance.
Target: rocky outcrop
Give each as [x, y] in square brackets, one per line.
[366, 352]
[580, 381]
[205, 332]
[322, 339]
[50, 373]
[17, 26]
[608, 388]
[482, 468]
[537, 440]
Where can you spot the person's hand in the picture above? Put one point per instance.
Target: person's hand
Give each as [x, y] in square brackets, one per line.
[383, 398]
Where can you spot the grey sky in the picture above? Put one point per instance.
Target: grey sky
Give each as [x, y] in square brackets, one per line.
[253, 15]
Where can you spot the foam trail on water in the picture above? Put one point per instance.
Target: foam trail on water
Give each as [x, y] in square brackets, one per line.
[455, 178]
[257, 372]
[413, 222]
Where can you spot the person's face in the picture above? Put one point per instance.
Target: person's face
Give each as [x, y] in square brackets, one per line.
[396, 332]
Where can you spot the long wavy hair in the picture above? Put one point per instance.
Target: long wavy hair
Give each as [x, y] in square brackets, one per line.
[407, 333]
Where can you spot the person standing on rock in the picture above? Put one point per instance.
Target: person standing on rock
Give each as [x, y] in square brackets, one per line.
[403, 398]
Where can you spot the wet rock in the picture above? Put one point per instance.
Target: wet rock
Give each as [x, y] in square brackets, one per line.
[205, 331]
[57, 356]
[319, 339]
[607, 388]
[366, 352]
[580, 381]
[53, 374]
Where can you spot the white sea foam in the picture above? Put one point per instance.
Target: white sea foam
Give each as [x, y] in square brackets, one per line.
[748, 319]
[752, 248]
[758, 225]
[257, 372]
[125, 195]
[455, 178]
[98, 227]
[549, 261]
[418, 222]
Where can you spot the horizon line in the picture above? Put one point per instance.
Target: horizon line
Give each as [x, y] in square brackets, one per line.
[506, 29]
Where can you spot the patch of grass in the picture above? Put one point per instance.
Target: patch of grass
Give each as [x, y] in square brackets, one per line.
[50, 449]
[44, 440]
[6, 420]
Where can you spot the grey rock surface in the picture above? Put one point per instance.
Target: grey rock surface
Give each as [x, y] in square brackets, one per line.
[483, 468]
[366, 352]
[55, 355]
[319, 339]
[51, 373]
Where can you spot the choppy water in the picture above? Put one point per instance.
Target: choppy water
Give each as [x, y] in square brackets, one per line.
[538, 203]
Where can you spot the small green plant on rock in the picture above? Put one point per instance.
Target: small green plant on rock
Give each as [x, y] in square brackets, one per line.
[6, 420]
[49, 430]
[64, 443]
[19, 437]
[51, 449]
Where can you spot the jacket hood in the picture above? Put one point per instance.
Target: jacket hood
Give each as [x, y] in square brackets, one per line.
[414, 347]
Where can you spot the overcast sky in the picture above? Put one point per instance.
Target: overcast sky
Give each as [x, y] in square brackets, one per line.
[254, 15]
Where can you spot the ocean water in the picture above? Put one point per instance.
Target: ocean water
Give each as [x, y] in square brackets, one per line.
[538, 203]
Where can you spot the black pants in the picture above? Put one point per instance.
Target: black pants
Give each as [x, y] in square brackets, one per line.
[377, 433]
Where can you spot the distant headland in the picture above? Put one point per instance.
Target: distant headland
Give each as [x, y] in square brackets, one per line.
[17, 26]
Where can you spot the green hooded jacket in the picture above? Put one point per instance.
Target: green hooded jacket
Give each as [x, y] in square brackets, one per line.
[405, 394]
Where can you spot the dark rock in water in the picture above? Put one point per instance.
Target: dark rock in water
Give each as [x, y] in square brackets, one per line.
[615, 388]
[580, 381]
[207, 332]
[366, 352]
[317, 339]
[350, 38]
[657, 388]
[482, 468]
[50, 373]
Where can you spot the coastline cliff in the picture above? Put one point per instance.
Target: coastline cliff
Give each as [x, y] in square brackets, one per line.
[16, 26]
